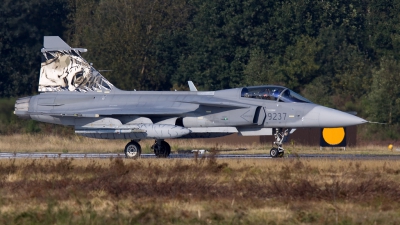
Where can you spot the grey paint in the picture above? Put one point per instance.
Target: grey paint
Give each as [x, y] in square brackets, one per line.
[99, 111]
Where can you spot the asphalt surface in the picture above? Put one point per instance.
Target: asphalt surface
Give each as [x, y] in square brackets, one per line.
[9, 155]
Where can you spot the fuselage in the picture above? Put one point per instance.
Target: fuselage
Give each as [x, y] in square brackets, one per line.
[74, 93]
[223, 108]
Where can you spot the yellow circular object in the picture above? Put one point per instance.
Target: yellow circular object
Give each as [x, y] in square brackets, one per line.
[333, 136]
[390, 147]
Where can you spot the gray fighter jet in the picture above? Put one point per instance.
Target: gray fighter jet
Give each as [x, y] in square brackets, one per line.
[73, 93]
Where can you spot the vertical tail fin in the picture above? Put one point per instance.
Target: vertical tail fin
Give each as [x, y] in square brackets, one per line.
[64, 69]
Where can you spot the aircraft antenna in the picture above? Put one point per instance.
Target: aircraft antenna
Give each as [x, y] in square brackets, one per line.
[376, 122]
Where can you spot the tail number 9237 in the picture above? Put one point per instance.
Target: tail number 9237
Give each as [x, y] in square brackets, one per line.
[276, 116]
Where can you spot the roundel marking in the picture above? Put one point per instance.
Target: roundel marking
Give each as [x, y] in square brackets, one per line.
[333, 136]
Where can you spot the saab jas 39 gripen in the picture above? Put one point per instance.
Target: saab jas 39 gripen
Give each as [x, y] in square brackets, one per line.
[74, 93]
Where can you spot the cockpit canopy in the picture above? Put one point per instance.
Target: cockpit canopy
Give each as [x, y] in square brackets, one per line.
[273, 93]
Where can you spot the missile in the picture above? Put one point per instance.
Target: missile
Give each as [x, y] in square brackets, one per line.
[134, 132]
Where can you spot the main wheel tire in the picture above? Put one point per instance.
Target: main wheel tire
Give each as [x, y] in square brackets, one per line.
[274, 152]
[167, 148]
[164, 151]
[132, 150]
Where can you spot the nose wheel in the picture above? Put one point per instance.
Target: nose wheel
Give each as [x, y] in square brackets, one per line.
[277, 152]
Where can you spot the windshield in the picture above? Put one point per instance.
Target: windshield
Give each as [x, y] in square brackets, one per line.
[274, 93]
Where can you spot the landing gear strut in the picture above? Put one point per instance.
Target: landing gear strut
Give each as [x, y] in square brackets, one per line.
[161, 149]
[133, 150]
[280, 137]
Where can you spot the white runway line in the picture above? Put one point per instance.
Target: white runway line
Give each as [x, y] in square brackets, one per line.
[10, 155]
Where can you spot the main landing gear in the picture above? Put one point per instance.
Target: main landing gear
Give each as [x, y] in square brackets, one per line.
[161, 149]
[133, 150]
[280, 137]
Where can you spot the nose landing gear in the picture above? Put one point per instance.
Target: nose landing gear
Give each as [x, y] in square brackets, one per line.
[280, 137]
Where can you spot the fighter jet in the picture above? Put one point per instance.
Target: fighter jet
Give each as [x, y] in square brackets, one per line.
[74, 93]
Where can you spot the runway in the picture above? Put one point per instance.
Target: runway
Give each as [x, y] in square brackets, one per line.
[10, 155]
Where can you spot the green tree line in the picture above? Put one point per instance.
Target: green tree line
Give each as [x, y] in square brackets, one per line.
[338, 53]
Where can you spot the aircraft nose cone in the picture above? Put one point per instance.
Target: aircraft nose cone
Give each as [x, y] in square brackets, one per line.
[327, 117]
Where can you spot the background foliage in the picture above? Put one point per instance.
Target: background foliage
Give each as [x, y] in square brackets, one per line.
[339, 53]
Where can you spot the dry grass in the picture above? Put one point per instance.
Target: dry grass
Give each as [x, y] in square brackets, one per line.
[199, 191]
[75, 143]
[78, 144]
[51, 143]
